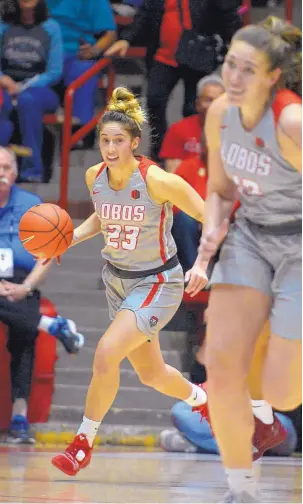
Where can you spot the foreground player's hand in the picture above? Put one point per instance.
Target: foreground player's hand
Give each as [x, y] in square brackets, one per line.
[14, 292]
[211, 241]
[196, 278]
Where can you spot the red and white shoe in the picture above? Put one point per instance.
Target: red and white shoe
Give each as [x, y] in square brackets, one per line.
[267, 436]
[76, 456]
[203, 408]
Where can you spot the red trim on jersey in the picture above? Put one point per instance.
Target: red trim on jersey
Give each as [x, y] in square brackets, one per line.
[283, 98]
[150, 296]
[100, 170]
[161, 232]
[144, 164]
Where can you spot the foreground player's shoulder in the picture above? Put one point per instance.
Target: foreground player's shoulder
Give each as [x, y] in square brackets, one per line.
[290, 122]
[91, 174]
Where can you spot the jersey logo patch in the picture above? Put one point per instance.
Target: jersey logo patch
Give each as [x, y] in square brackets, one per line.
[135, 194]
[260, 142]
[153, 321]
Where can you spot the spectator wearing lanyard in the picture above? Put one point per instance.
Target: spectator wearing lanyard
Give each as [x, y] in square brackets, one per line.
[20, 275]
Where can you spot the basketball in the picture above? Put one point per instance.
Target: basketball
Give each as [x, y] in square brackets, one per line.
[46, 231]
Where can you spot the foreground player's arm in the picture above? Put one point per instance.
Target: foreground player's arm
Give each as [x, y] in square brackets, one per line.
[221, 191]
[289, 133]
[167, 187]
[91, 226]
[219, 202]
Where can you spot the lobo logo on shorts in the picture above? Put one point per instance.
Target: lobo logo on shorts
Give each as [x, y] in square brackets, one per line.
[153, 321]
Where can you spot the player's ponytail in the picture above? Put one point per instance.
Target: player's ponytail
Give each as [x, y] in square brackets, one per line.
[282, 43]
[124, 107]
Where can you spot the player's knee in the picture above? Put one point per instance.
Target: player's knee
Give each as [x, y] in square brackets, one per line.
[104, 362]
[222, 370]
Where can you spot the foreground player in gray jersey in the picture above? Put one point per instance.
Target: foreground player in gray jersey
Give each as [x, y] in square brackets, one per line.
[144, 282]
[254, 142]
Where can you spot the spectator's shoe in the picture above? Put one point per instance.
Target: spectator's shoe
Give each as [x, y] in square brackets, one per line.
[203, 408]
[233, 498]
[267, 436]
[18, 432]
[171, 440]
[76, 456]
[65, 330]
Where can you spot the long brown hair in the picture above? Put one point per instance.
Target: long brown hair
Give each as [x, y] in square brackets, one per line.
[282, 43]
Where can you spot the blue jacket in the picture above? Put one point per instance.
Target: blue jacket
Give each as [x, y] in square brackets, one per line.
[19, 202]
[30, 52]
[81, 19]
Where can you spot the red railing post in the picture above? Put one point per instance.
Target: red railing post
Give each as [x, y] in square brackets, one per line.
[289, 10]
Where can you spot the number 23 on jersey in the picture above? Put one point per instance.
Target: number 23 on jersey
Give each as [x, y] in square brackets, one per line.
[129, 235]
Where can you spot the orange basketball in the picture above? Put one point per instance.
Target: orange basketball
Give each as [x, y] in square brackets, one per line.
[46, 231]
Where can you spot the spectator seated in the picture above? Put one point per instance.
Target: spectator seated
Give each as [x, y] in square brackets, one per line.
[42, 386]
[182, 139]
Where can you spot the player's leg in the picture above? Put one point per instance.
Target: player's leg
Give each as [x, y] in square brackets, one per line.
[120, 339]
[148, 362]
[240, 304]
[152, 314]
[282, 373]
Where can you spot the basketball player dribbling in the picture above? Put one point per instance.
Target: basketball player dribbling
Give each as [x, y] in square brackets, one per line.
[254, 144]
[144, 282]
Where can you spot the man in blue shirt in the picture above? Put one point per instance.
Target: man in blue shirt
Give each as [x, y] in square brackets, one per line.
[88, 29]
[20, 276]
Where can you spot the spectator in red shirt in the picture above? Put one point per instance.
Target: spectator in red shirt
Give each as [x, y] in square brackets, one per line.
[6, 127]
[182, 140]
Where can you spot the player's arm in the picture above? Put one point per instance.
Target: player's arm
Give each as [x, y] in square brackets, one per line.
[91, 226]
[221, 191]
[167, 187]
[289, 133]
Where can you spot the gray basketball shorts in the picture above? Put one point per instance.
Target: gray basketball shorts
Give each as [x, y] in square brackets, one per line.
[153, 299]
[270, 263]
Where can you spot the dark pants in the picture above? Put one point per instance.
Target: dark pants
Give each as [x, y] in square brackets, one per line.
[22, 319]
[161, 81]
[186, 232]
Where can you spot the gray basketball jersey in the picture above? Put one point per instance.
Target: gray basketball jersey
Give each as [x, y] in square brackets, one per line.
[270, 189]
[136, 230]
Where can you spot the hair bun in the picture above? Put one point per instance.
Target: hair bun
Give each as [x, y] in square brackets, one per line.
[125, 102]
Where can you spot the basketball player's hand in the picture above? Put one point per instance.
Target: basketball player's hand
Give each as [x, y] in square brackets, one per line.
[119, 48]
[211, 241]
[14, 292]
[196, 279]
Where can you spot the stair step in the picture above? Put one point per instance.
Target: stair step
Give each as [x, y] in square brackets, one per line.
[84, 359]
[115, 416]
[128, 397]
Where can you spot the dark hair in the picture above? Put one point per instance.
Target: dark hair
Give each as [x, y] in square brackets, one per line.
[124, 108]
[282, 43]
[11, 12]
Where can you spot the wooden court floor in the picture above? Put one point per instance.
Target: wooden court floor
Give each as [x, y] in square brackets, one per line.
[119, 475]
